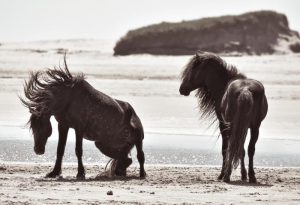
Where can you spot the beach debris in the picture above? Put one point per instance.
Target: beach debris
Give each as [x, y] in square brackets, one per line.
[61, 50]
[2, 168]
[110, 192]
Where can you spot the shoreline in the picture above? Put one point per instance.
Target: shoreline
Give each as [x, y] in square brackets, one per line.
[195, 152]
[25, 184]
[135, 165]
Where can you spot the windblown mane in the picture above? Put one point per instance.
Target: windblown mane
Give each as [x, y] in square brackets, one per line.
[206, 102]
[40, 89]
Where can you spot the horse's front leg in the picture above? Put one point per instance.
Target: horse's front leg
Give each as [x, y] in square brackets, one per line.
[224, 132]
[78, 151]
[62, 139]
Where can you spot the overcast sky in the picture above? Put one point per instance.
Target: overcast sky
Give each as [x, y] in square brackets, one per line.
[30, 20]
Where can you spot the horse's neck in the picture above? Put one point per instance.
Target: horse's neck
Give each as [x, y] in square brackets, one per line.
[61, 100]
[217, 89]
[218, 81]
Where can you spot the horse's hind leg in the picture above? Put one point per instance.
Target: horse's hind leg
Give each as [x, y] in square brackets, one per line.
[141, 157]
[243, 168]
[251, 151]
[78, 151]
[62, 139]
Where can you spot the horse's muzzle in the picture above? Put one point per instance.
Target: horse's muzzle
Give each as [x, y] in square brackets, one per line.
[184, 91]
[39, 151]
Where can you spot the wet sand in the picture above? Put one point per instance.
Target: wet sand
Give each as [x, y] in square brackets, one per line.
[25, 184]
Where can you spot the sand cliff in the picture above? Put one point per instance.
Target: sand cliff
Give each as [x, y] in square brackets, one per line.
[253, 33]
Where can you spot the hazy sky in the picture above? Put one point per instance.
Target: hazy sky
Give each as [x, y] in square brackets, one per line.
[27, 20]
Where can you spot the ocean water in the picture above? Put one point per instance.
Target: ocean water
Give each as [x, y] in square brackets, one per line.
[174, 132]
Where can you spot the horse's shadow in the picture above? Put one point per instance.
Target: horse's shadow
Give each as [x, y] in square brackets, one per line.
[98, 178]
[246, 183]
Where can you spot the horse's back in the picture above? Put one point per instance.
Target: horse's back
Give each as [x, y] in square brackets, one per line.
[254, 86]
[95, 113]
[97, 96]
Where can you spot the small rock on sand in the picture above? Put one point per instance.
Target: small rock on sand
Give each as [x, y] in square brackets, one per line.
[2, 168]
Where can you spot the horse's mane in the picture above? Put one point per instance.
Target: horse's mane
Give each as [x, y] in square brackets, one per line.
[40, 89]
[206, 101]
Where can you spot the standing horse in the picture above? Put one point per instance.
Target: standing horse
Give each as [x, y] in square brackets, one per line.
[237, 102]
[111, 123]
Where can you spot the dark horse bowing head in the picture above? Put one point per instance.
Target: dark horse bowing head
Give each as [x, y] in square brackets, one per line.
[237, 102]
[111, 123]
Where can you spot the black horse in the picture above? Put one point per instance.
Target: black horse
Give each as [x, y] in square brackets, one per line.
[111, 123]
[237, 102]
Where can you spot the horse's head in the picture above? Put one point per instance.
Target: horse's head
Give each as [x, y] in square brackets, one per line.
[41, 129]
[197, 72]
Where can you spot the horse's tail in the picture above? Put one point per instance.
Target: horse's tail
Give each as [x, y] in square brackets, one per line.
[239, 127]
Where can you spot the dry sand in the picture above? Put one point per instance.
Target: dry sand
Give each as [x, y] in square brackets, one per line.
[25, 184]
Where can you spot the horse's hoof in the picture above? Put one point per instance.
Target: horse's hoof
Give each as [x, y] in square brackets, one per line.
[143, 175]
[220, 177]
[252, 180]
[52, 174]
[80, 177]
[226, 179]
[244, 178]
[121, 174]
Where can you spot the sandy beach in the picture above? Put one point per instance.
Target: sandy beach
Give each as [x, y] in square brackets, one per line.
[174, 134]
[25, 184]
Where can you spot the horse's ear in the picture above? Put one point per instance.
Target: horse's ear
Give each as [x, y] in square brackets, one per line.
[199, 52]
